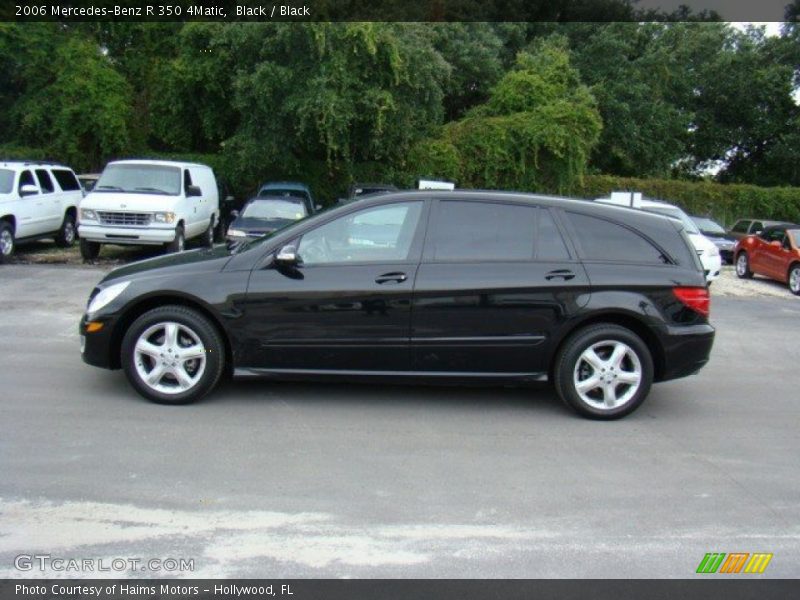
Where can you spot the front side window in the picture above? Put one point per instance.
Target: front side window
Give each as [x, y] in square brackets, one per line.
[740, 227]
[378, 234]
[45, 183]
[25, 178]
[603, 240]
[140, 179]
[774, 235]
[757, 227]
[483, 231]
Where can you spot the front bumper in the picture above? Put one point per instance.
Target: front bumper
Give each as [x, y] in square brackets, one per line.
[686, 350]
[96, 347]
[711, 267]
[143, 236]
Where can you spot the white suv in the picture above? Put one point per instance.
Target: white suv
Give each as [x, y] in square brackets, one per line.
[149, 202]
[707, 251]
[37, 200]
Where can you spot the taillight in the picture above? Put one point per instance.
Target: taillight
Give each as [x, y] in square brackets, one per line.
[696, 298]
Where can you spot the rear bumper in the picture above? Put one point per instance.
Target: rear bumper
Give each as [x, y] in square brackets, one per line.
[126, 235]
[686, 350]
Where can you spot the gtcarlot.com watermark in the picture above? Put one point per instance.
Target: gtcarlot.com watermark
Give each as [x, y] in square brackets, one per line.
[49, 563]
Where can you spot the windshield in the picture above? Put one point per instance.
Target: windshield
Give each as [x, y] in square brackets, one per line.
[6, 181]
[708, 226]
[675, 213]
[795, 235]
[141, 179]
[270, 191]
[274, 209]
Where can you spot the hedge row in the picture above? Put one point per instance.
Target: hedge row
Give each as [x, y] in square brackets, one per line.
[724, 202]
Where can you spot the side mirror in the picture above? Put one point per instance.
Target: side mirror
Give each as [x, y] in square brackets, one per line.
[228, 199]
[757, 231]
[193, 191]
[287, 256]
[319, 207]
[234, 214]
[28, 190]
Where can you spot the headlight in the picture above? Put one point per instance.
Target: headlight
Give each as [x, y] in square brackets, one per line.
[236, 233]
[106, 295]
[88, 215]
[164, 217]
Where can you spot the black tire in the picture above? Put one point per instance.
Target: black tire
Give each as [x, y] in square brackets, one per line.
[208, 236]
[570, 364]
[743, 266]
[220, 230]
[89, 250]
[179, 243]
[192, 323]
[7, 241]
[65, 238]
[794, 279]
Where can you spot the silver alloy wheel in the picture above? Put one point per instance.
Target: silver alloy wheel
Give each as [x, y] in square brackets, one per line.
[794, 280]
[741, 265]
[607, 374]
[69, 232]
[6, 242]
[170, 358]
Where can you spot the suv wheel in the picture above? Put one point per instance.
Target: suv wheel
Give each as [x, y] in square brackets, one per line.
[66, 235]
[179, 243]
[172, 355]
[604, 372]
[89, 250]
[743, 266]
[794, 279]
[7, 244]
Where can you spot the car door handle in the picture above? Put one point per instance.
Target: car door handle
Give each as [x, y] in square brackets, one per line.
[564, 274]
[391, 278]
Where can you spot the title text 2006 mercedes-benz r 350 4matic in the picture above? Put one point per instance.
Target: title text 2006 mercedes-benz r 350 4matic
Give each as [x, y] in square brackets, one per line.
[447, 286]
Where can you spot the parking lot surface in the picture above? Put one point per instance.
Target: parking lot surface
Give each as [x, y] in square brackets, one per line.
[320, 480]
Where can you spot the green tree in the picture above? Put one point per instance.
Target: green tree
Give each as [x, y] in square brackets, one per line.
[535, 132]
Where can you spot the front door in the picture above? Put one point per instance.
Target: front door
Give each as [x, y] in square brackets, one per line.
[347, 304]
[495, 281]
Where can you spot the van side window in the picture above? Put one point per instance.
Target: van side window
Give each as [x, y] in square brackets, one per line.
[187, 179]
[602, 240]
[45, 183]
[66, 180]
[25, 178]
[741, 226]
[480, 231]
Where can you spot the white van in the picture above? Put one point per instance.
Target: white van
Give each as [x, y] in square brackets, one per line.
[149, 202]
[706, 250]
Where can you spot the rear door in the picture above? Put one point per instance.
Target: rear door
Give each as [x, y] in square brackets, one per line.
[51, 200]
[495, 281]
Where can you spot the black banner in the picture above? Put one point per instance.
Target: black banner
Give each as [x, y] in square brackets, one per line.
[397, 10]
[398, 589]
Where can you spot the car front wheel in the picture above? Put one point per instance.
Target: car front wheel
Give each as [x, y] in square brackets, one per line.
[604, 372]
[173, 355]
[743, 266]
[89, 250]
[179, 243]
[794, 279]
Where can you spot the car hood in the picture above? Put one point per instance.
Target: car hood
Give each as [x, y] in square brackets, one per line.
[719, 236]
[200, 260]
[128, 202]
[255, 224]
[701, 242]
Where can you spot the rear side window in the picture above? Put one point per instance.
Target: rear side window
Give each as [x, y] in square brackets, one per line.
[45, 183]
[604, 240]
[480, 231]
[550, 243]
[66, 180]
[6, 181]
[741, 227]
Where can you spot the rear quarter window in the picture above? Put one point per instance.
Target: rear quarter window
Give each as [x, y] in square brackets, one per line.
[66, 180]
[741, 226]
[602, 240]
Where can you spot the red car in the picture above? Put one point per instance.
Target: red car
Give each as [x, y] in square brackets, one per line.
[773, 253]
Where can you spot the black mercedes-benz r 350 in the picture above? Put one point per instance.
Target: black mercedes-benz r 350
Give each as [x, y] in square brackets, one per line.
[451, 286]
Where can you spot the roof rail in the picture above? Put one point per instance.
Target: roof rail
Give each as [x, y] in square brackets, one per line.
[32, 163]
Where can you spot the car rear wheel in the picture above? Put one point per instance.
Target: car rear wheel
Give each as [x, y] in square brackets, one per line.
[173, 355]
[66, 235]
[89, 250]
[794, 279]
[743, 266]
[7, 242]
[604, 372]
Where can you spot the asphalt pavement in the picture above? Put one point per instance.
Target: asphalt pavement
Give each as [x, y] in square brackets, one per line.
[319, 480]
